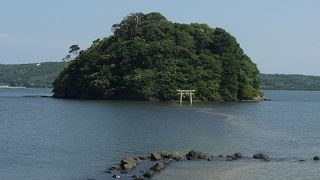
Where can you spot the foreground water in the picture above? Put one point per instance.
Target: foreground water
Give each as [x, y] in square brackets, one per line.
[46, 138]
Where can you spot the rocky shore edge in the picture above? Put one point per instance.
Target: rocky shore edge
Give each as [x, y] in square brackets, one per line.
[152, 164]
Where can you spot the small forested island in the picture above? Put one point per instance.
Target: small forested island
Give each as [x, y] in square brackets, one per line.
[149, 58]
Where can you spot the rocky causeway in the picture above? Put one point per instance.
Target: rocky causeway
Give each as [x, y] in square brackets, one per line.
[147, 167]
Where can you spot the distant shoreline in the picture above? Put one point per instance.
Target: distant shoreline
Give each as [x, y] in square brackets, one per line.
[11, 87]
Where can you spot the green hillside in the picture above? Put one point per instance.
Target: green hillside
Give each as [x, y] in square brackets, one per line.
[30, 75]
[290, 82]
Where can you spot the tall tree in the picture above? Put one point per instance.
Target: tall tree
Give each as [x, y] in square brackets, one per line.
[74, 49]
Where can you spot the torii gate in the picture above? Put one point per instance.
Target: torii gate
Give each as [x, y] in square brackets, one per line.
[188, 92]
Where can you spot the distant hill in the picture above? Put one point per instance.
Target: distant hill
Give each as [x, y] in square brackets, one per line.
[30, 75]
[290, 82]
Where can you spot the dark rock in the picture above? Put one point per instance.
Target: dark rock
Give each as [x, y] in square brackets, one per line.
[165, 154]
[124, 172]
[128, 166]
[232, 156]
[129, 163]
[172, 155]
[142, 158]
[116, 176]
[261, 156]
[108, 171]
[155, 156]
[115, 168]
[197, 155]
[220, 156]
[316, 158]
[235, 156]
[158, 167]
[128, 160]
[238, 155]
[149, 174]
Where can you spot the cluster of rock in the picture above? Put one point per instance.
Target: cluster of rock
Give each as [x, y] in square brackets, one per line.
[167, 155]
[155, 169]
[239, 155]
[163, 159]
[234, 156]
[198, 155]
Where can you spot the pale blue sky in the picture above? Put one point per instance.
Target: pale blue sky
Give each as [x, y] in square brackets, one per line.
[281, 36]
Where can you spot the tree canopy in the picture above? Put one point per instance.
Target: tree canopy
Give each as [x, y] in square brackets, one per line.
[74, 48]
[149, 57]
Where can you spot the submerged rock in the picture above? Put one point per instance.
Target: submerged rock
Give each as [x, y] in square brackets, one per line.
[158, 167]
[316, 158]
[149, 174]
[155, 169]
[261, 156]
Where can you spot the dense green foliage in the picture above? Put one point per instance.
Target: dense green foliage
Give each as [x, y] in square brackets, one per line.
[290, 82]
[149, 57]
[30, 75]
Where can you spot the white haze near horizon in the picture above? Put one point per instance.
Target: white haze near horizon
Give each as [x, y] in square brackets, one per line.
[280, 36]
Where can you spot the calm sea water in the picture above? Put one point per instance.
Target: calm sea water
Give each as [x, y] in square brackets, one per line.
[56, 139]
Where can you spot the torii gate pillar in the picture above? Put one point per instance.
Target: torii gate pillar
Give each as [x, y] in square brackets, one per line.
[187, 92]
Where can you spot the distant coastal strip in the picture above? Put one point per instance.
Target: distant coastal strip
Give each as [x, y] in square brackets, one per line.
[35, 75]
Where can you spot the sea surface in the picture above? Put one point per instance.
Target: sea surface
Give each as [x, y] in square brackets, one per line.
[58, 139]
